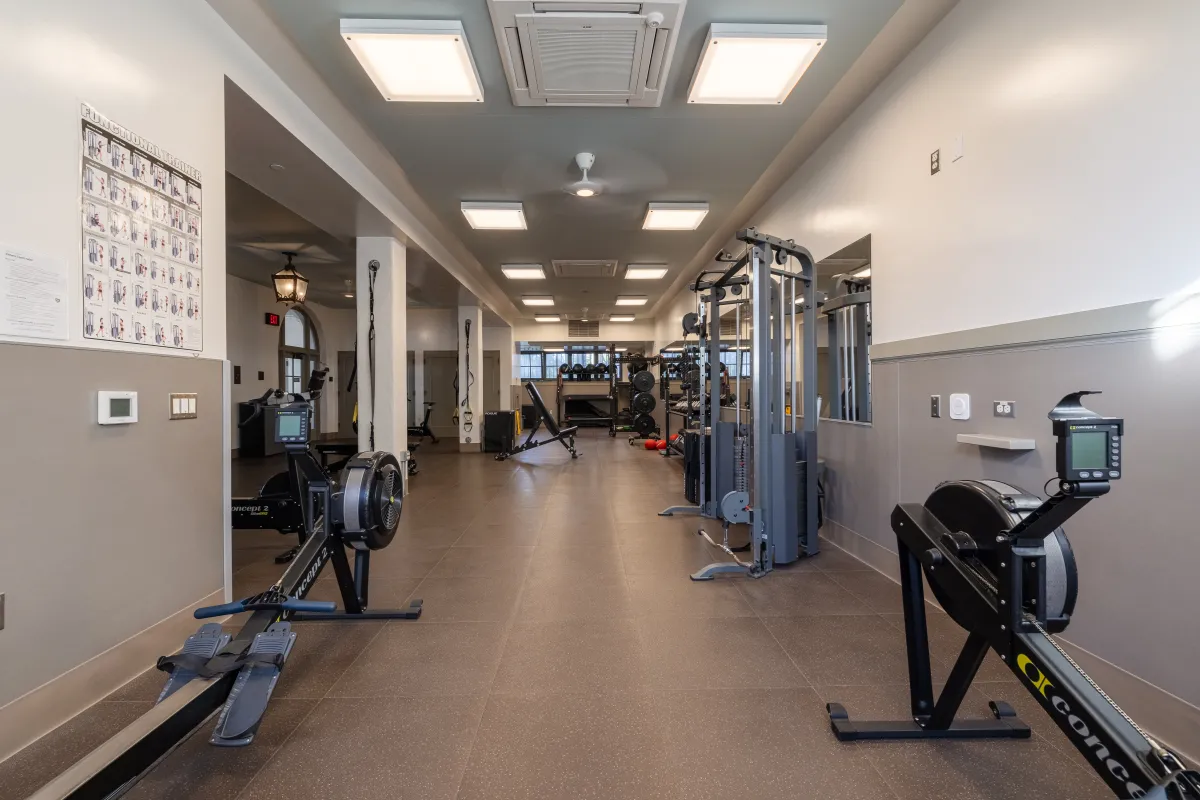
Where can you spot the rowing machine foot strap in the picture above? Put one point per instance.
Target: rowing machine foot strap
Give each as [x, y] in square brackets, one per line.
[243, 711]
[186, 665]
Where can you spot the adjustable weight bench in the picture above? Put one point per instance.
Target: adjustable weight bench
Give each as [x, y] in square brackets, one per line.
[566, 436]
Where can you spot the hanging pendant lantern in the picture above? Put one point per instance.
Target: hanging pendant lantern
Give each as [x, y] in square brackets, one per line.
[290, 286]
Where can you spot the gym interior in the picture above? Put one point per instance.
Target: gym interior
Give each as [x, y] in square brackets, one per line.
[543, 399]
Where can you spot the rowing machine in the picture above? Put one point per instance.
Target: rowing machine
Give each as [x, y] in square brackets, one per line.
[999, 563]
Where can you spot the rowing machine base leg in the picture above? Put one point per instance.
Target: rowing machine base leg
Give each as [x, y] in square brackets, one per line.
[1006, 725]
[413, 611]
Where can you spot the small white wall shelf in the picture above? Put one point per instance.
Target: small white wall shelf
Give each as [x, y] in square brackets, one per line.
[998, 442]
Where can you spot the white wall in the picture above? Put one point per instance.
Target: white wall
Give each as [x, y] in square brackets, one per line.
[1079, 167]
[432, 329]
[637, 331]
[253, 345]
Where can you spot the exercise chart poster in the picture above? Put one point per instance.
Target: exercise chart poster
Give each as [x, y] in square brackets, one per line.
[142, 219]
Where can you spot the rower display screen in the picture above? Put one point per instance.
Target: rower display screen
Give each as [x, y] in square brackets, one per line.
[291, 426]
[1089, 450]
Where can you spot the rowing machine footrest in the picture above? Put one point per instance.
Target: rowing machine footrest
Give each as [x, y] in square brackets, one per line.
[243, 711]
[186, 665]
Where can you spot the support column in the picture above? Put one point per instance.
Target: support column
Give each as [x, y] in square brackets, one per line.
[470, 386]
[418, 389]
[389, 411]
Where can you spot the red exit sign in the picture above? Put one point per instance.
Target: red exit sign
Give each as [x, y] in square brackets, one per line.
[272, 319]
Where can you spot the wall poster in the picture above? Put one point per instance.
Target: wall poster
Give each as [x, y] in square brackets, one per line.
[142, 222]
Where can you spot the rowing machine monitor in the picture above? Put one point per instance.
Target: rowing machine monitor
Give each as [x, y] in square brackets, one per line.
[291, 427]
[1089, 445]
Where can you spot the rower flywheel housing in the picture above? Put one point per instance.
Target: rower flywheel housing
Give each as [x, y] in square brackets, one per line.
[371, 499]
[985, 510]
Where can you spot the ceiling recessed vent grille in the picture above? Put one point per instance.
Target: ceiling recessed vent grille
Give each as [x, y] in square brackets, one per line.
[595, 268]
[583, 329]
[597, 53]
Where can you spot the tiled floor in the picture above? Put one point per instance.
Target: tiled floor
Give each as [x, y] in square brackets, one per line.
[564, 654]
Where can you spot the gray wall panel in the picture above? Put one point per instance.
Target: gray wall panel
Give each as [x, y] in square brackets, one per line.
[107, 530]
[1138, 548]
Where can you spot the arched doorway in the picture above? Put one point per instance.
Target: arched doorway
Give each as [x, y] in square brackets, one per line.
[299, 354]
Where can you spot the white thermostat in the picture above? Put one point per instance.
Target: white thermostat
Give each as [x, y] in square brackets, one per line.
[116, 408]
[960, 406]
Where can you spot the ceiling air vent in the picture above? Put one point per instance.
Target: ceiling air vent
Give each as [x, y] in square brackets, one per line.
[583, 268]
[598, 53]
[583, 329]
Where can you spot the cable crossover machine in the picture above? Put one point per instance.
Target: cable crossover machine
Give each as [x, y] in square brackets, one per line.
[763, 473]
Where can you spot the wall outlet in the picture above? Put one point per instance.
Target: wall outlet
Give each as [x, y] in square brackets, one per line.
[935, 406]
[960, 406]
[935, 162]
[1004, 408]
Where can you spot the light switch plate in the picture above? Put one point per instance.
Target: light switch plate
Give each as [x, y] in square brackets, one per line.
[935, 406]
[960, 406]
[183, 405]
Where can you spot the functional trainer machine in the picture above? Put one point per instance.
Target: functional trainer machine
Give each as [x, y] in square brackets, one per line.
[999, 563]
[565, 436]
[235, 674]
[763, 473]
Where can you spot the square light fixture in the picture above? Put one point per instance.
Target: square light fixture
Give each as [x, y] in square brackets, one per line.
[630, 300]
[424, 61]
[553, 350]
[620, 318]
[523, 272]
[622, 349]
[495, 216]
[675, 216]
[540, 300]
[754, 64]
[547, 318]
[644, 272]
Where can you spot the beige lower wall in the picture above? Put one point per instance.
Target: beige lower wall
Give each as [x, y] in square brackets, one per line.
[108, 530]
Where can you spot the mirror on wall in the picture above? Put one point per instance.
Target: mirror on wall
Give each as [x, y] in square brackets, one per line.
[844, 338]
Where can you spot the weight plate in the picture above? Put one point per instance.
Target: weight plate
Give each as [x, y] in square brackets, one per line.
[644, 403]
[643, 381]
[691, 323]
[644, 424]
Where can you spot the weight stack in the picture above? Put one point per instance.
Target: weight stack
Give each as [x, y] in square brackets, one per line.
[498, 427]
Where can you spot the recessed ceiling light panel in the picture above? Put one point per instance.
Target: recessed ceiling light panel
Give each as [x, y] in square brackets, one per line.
[523, 272]
[547, 318]
[675, 216]
[644, 272]
[630, 300]
[426, 61]
[754, 64]
[495, 216]
[542, 300]
[620, 318]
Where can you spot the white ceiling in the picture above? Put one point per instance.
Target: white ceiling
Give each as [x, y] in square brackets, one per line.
[497, 151]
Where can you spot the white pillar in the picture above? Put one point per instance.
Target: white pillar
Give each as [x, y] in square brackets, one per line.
[418, 390]
[470, 386]
[390, 409]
